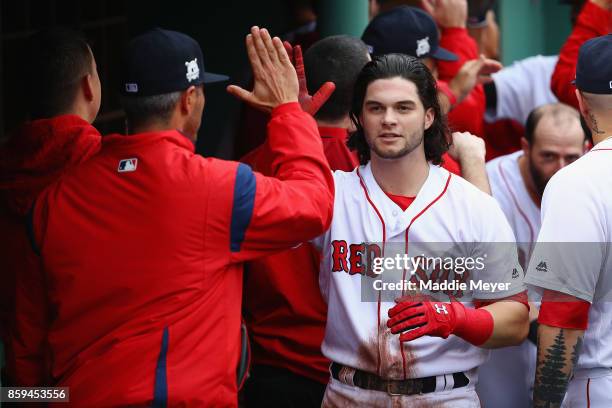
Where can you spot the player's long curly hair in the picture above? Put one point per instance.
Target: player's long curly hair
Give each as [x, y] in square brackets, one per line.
[410, 68]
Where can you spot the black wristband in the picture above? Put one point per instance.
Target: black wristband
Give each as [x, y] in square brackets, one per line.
[533, 332]
[490, 91]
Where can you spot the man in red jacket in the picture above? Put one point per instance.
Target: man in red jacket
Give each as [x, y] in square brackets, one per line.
[64, 91]
[143, 245]
[286, 316]
[594, 20]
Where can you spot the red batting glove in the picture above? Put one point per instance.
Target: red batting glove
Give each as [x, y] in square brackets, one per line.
[310, 104]
[415, 319]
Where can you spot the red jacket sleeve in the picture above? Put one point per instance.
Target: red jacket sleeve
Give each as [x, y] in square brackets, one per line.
[468, 116]
[593, 21]
[458, 41]
[275, 213]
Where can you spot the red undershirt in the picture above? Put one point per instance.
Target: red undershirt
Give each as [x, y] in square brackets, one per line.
[402, 201]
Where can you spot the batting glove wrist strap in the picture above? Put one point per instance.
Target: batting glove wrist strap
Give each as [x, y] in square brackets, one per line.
[476, 326]
[414, 319]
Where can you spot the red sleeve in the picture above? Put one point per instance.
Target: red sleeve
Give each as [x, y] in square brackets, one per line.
[564, 311]
[458, 41]
[593, 21]
[270, 214]
[468, 116]
[258, 159]
[451, 164]
[339, 156]
[502, 137]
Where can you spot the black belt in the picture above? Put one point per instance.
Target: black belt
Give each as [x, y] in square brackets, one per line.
[369, 381]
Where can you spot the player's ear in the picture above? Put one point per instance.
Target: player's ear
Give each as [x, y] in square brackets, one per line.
[188, 100]
[430, 116]
[87, 87]
[584, 110]
[525, 146]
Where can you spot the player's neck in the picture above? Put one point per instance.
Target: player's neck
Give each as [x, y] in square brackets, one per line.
[600, 124]
[404, 176]
[600, 137]
[528, 181]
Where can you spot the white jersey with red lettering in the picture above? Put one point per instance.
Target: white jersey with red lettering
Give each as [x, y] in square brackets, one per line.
[448, 212]
[508, 188]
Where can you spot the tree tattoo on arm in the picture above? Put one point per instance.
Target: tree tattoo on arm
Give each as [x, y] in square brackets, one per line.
[556, 361]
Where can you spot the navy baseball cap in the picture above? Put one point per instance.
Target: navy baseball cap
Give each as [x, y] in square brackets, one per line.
[163, 61]
[594, 67]
[405, 30]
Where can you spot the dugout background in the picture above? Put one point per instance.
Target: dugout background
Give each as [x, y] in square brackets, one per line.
[528, 27]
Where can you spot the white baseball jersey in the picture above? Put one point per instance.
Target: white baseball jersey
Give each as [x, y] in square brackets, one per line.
[522, 87]
[572, 254]
[515, 380]
[508, 188]
[447, 211]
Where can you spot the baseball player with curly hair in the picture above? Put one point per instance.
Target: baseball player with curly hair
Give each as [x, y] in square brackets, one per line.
[416, 350]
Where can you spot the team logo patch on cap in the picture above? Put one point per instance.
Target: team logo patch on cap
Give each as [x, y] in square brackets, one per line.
[423, 47]
[127, 165]
[193, 71]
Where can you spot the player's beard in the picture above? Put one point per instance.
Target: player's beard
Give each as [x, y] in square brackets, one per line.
[411, 142]
[539, 180]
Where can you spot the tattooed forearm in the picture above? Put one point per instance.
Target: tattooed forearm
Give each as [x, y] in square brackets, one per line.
[558, 351]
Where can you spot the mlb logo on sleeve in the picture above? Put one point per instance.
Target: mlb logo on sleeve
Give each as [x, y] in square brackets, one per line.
[127, 165]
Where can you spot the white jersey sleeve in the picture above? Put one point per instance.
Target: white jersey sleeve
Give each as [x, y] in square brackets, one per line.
[569, 254]
[522, 87]
[502, 275]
